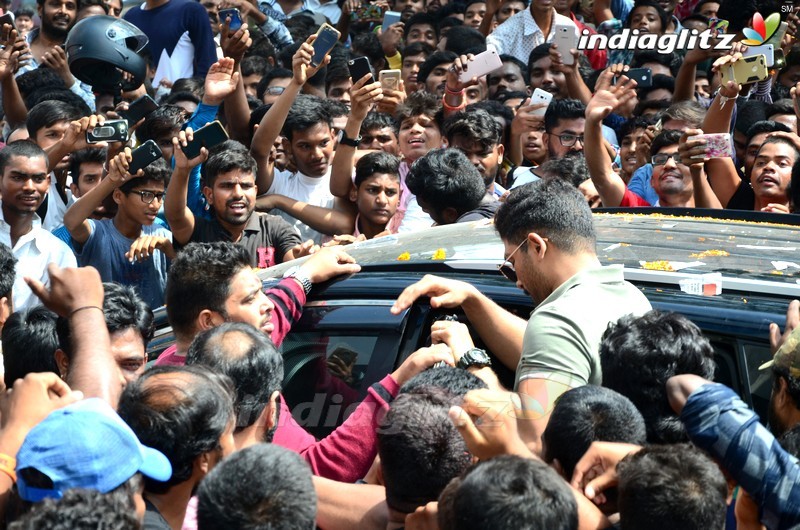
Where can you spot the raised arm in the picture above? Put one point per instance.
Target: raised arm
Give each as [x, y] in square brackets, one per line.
[76, 217]
[74, 139]
[692, 154]
[609, 185]
[340, 219]
[13, 104]
[179, 216]
[575, 86]
[272, 123]
[237, 112]
[362, 97]
[77, 295]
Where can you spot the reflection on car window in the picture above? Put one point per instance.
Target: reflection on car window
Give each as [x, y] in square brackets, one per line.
[324, 376]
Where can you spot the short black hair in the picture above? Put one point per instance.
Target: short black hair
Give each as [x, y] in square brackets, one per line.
[663, 487]
[794, 190]
[665, 138]
[38, 79]
[7, 270]
[376, 162]
[47, 113]
[571, 168]
[249, 358]
[554, 209]
[420, 449]
[765, 126]
[275, 73]
[261, 486]
[83, 4]
[417, 48]
[420, 103]
[660, 81]
[455, 380]
[21, 148]
[199, 278]
[181, 411]
[95, 155]
[523, 68]
[510, 492]
[465, 39]
[563, 109]
[228, 156]
[663, 16]
[630, 125]
[156, 171]
[639, 353]
[368, 45]
[30, 342]
[59, 95]
[255, 65]
[497, 110]
[378, 120]
[589, 414]
[539, 52]
[445, 178]
[421, 19]
[166, 119]
[174, 97]
[80, 509]
[748, 113]
[305, 113]
[476, 126]
[790, 441]
[670, 60]
[123, 309]
[434, 60]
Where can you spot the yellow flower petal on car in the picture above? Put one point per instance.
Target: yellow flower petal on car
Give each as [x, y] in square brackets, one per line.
[405, 256]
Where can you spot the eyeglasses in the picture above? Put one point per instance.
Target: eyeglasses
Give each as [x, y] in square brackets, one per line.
[568, 140]
[149, 196]
[507, 268]
[661, 159]
[275, 90]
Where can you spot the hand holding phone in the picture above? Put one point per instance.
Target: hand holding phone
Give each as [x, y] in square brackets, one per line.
[359, 67]
[566, 39]
[717, 145]
[139, 109]
[208, 136]
[481, 64]
[109, 131]
[390, 79]
[234, 15]
[541, 97]
[143, 156]
[327, 37]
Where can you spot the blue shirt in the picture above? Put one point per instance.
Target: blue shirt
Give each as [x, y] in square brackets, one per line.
[105, 251]
[640, 184]
[720, 423]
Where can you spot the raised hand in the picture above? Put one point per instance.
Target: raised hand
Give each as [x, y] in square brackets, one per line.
[454, 82]
[363, 96]
[56, 59]
[118, 168]
[301, 62]
[234, 45]
[604, 102]
[70, 289]
[692, 151]
[221, 81]
[181, 141]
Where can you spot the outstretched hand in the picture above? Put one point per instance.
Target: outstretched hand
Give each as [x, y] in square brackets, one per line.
[604, 102]
[70, 289]
[221, 81]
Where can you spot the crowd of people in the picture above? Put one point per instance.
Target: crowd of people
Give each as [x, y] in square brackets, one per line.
[613, 420]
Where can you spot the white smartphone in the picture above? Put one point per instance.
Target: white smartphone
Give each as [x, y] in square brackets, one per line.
[541, 97]
[390, 79]
[566, 39]
[482, 64]
[767, 50]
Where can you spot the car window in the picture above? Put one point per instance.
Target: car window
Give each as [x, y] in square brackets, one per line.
[333, 354]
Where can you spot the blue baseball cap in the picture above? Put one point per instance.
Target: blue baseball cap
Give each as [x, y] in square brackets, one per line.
[86, 445]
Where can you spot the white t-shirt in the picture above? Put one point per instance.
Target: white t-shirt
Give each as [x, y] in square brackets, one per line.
[315, 191]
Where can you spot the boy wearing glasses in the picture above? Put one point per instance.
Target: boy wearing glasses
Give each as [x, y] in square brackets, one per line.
[564, 123]
[131, 248]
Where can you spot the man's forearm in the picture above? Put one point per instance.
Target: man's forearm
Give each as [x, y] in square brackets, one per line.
[500, 330]
[92, 368]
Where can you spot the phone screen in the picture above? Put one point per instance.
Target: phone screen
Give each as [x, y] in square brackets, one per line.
[326, 40]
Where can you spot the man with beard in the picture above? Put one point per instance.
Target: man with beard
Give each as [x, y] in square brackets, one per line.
[408, 8]
[58, 17]
[476, 134]
[511, 77]
[564, 123]
[230, 189]
[784, 400]
[549, 238]
[24, 181]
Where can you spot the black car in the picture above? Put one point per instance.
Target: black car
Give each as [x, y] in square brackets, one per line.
[347, 339]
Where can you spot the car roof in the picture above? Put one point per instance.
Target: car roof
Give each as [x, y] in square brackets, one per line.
[757, 257]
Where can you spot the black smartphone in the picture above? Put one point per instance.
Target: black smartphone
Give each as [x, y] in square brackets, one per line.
[139, 109]
[359, 67]
[7, 18]
[642, 76]
[143, 156]
[109, 131]
[208, 136]
[234, 15]
[327, 37]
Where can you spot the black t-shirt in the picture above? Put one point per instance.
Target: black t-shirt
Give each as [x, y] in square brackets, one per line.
[744, 198]
[153, 520]
[266, 237]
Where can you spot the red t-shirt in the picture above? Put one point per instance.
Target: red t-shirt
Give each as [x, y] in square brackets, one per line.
[632, 200]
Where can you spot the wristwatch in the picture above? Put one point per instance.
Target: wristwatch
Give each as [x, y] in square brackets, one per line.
[474, 357]
[299, 274]
[352, 142]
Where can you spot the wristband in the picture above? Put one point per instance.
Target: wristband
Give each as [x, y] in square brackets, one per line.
[452, 92]
[81, 309]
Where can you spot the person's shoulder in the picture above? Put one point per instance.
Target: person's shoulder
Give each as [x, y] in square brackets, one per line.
[561, 20]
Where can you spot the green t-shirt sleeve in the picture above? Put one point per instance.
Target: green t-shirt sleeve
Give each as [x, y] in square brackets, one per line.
[554, 349]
